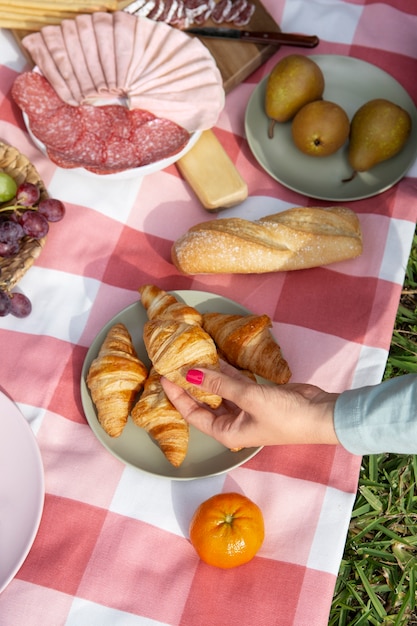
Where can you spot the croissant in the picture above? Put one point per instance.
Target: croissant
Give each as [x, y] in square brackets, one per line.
[114, 378]
[246, 342]
[160, 304]
[155, 413]
[175, 347]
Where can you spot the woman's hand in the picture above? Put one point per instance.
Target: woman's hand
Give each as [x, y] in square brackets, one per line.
[253, 414]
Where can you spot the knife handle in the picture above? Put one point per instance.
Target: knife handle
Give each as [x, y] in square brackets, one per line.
[280, 39]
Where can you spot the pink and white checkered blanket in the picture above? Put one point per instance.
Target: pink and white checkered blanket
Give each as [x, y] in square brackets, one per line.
[112, 547]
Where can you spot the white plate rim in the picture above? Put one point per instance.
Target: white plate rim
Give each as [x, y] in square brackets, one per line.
[24, 487]
[201, 300]
[311, 171]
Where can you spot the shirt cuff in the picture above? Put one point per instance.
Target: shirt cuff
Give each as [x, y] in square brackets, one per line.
[380, 418]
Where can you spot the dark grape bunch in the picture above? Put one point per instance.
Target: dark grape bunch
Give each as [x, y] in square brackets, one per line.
[27, 217]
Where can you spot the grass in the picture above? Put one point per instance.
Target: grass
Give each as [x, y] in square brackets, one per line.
[378, 573]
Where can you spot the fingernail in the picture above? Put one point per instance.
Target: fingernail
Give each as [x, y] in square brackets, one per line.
[195, 377]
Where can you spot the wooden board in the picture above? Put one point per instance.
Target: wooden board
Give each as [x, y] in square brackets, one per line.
[235, 60]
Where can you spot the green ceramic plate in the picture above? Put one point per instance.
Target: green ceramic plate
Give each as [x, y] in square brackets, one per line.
[205, 456]
[350, 83]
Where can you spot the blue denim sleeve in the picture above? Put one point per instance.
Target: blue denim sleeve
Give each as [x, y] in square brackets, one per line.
[380, 418]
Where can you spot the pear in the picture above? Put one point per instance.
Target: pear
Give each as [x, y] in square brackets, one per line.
[294, 81]
[378, 131]
[320, 128]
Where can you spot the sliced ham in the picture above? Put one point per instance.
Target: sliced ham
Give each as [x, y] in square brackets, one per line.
[147, 63]
[91, 57]
[103, 29]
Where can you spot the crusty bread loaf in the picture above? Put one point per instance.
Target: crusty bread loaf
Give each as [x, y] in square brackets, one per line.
[297, 238]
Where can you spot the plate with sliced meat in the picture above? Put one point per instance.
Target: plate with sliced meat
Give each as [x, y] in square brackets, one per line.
[107, 140]
[117, 94]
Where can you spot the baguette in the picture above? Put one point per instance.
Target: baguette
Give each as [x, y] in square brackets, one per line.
[298, 238]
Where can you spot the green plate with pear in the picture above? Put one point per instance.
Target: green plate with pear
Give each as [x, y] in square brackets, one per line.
[350, 83]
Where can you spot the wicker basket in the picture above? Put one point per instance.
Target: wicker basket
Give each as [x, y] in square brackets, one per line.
[21, 170]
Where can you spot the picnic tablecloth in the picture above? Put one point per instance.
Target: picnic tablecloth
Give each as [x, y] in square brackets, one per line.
[112, 546]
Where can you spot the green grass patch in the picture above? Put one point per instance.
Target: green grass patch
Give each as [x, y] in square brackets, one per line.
[377, 578]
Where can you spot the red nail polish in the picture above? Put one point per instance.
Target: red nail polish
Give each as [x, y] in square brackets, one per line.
[195, 377]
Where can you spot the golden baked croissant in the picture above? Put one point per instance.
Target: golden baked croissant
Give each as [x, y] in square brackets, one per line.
[160, 304]
[246, 342]
[114, 378]
[155, 413]
[175, 347]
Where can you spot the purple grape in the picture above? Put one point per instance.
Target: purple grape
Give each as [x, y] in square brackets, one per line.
[5, 304]
[52, 209]
[20, 305]
[27, 194]
[10, 231]
[34, 224]
[14, 217]
[9, 249]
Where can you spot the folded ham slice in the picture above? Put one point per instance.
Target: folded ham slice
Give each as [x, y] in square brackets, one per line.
[149, 65]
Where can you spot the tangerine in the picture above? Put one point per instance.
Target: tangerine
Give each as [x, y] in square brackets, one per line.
[227, 530]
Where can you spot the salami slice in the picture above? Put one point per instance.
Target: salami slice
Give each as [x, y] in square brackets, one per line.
[204, 15]
[65, 162]
[61, 159]
[237, 7]
[169, 11]
[178, 18]
[245, 15]
[88, 150]
[157, 11]
[192, 4]
[59, 130]
[119, 119]
[34, 95]
[158, 139]
[120, 154]
[221, 10]
[140, 116]
[122, 121]
[194, 8]
[95, 120]
[103, 171]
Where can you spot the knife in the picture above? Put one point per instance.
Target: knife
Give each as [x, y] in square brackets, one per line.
[274, 38]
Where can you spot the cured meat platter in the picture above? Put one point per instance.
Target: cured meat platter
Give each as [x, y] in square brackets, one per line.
[236, 60]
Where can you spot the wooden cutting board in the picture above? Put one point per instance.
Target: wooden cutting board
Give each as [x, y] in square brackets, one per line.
[237, 60]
